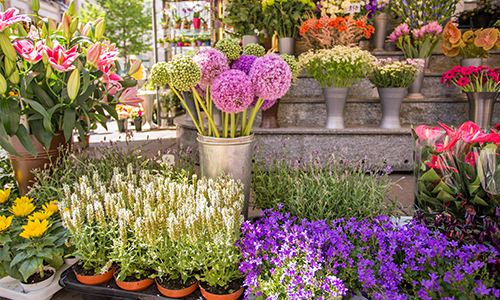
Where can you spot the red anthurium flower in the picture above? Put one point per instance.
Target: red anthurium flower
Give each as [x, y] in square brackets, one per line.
[424, 132]
[477, 137]
[497, 127]
[439, 164]
[448, 130]
[469, 127]
[494, 137]
[471, 158]
[61, 59]
[32, 53]
[10, 17]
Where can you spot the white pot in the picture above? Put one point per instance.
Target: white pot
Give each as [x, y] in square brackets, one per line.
[8, 280]
[31, 287]
[71, 261]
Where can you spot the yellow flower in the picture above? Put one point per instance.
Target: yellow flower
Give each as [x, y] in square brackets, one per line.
[22, 209]
[35, 228]
[4, 195]
[40, 215]
[5, 222]
[51, 207]
[23, 199]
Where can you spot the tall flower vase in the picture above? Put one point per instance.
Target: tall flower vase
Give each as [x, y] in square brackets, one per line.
[287, 45]
[122, 125]
[270, 117]
[474, 62]
[335, 99]
[228, 155]
[149, 98]
[391, 100]
[191, 106]
[196, 23]
[481, 106]
[138, 124]
[380, 24]
[250, 39]
[414, 91]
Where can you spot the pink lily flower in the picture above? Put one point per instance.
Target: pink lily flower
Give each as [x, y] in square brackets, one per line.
[111, 80]
[10, 17]
[106, 57]
[32, 53]
[60, 59]
[424, 132]
[129, 97]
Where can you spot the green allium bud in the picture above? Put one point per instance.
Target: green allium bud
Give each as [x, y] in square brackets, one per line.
[254, 49]
[184, 72]
[230, 47]
[160, 74]
[292, 63]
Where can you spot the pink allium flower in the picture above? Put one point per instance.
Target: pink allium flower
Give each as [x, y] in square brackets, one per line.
[265, 105]
[232, 91]
[9, 17]
[32, 53]
[61, 59]
[244, 63]
[271, 77]
[212, 62]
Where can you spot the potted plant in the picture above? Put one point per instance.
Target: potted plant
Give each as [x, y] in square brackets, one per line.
[336, 70]
[231, 91]
[177, 21]
[283, 17]
[482, 87]
[46, 98]
[472, 46]
[187, 24]
[196, 20]
[246, 17]
[392, 78]
[378, 11]
[204, 24]
[123, 112]
[137, 115]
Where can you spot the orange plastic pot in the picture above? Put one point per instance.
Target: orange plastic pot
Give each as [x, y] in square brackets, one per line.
[176, 293]
[96, 279]
[133, 286]
[210, 296]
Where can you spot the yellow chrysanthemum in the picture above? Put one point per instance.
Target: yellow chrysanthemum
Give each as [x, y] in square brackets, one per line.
[51, 207]
[5, 222]
[23, 199]
[22, 209]
[4, 195]
[40, 215]
[35, 228]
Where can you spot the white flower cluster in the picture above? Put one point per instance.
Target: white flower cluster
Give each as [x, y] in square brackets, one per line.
[332, 7]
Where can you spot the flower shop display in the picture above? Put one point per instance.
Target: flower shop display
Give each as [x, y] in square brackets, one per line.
[336, 70]
[327, 32]
[254, 49]
[482, 87]
[419, 13]
[378, 12]
[392, 78]
[283, 17]
[246, 17]
[349, 257]
[334, 187]
[137, 115]
[123, 112]
[50, 82]
[472, 46]
[484, 14]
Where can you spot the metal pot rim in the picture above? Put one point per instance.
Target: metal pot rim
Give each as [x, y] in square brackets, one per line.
[209, 140]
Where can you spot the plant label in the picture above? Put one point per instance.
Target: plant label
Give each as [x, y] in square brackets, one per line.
[354, 8]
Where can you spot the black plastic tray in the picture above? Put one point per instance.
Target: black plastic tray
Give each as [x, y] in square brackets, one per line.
[109, 290]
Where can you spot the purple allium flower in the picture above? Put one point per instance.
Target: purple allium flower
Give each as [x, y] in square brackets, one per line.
[232, 91]
[201, 89]
[212, 62]
[244, 63]
[265, 105]
[271, 77]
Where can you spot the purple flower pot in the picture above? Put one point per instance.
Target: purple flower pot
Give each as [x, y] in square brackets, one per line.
[199, 43]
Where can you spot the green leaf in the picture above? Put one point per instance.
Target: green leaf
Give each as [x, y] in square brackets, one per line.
[11, 115]
[86, 79]
[41, 134]
[478, 200]
[55, 261]
[29, 266]
[128, 83]
[111, 110]
[445, 197]
[41, 95]
[19, 257]
[69, 122]
[442, 187]
[430, 175]
[25, 139]
[81, 132]
[4, 141]
[37, 107]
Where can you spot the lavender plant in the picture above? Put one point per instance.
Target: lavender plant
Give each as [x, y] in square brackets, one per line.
[318, 189]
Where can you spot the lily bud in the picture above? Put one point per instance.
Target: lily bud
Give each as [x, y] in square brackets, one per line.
[74, 25]
[135, 67]
[9, 66]
[48, 72]
[52, 24]
[74, 84]
[3, 84]
[99, 29]
[93, 54]
[7, 47]
[35, 5]
[45, 30]
[48, 43]
[14, 78]
[72, 9]
[86, 30]
[66, 22]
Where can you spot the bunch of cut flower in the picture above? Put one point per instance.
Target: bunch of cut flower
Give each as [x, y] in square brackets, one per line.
[419, 13]
[136, 113]
[291, 258]
[387, 73]
[374, 7]
[417, 42]
[326, 32]
[472, 79]
[472, 44]
[123, 111]
[339, 7]
[248, 81]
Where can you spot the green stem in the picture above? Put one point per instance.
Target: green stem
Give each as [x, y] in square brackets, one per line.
[210, 119]
[200, 119]
[185, 105]
[238, 120]
[252, 117]
[243, 121]
[226, 125]
[233, 125]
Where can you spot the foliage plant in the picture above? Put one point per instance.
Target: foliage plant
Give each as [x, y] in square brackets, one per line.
[472, 44]
[245, 16]
[378, 258]
[326, 32]
[54, 78]
[387, 73]
[417, 42]
[284, 16]
[338, 67]
[321, 189]
[419, 13]
[472, 79]
[31, 236]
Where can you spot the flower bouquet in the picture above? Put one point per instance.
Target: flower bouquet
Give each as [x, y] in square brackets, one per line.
[417, 42]
[375, 7]
[326, 32]
[419, 13]
[472, 44]
[472, 79]
[284, 16]
[340, 7]
[387, 73]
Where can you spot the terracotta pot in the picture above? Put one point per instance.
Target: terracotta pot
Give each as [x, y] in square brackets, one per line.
[177, 25]
[133, 286]
[96, 279]
[270, 117]
[176, 293]
[23, 166]
[210, 296]
[87, 141]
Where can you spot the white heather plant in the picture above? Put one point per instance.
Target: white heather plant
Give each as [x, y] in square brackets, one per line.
[387, 73]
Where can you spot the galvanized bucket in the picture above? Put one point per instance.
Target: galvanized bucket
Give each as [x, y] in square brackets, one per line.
[228, 155]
